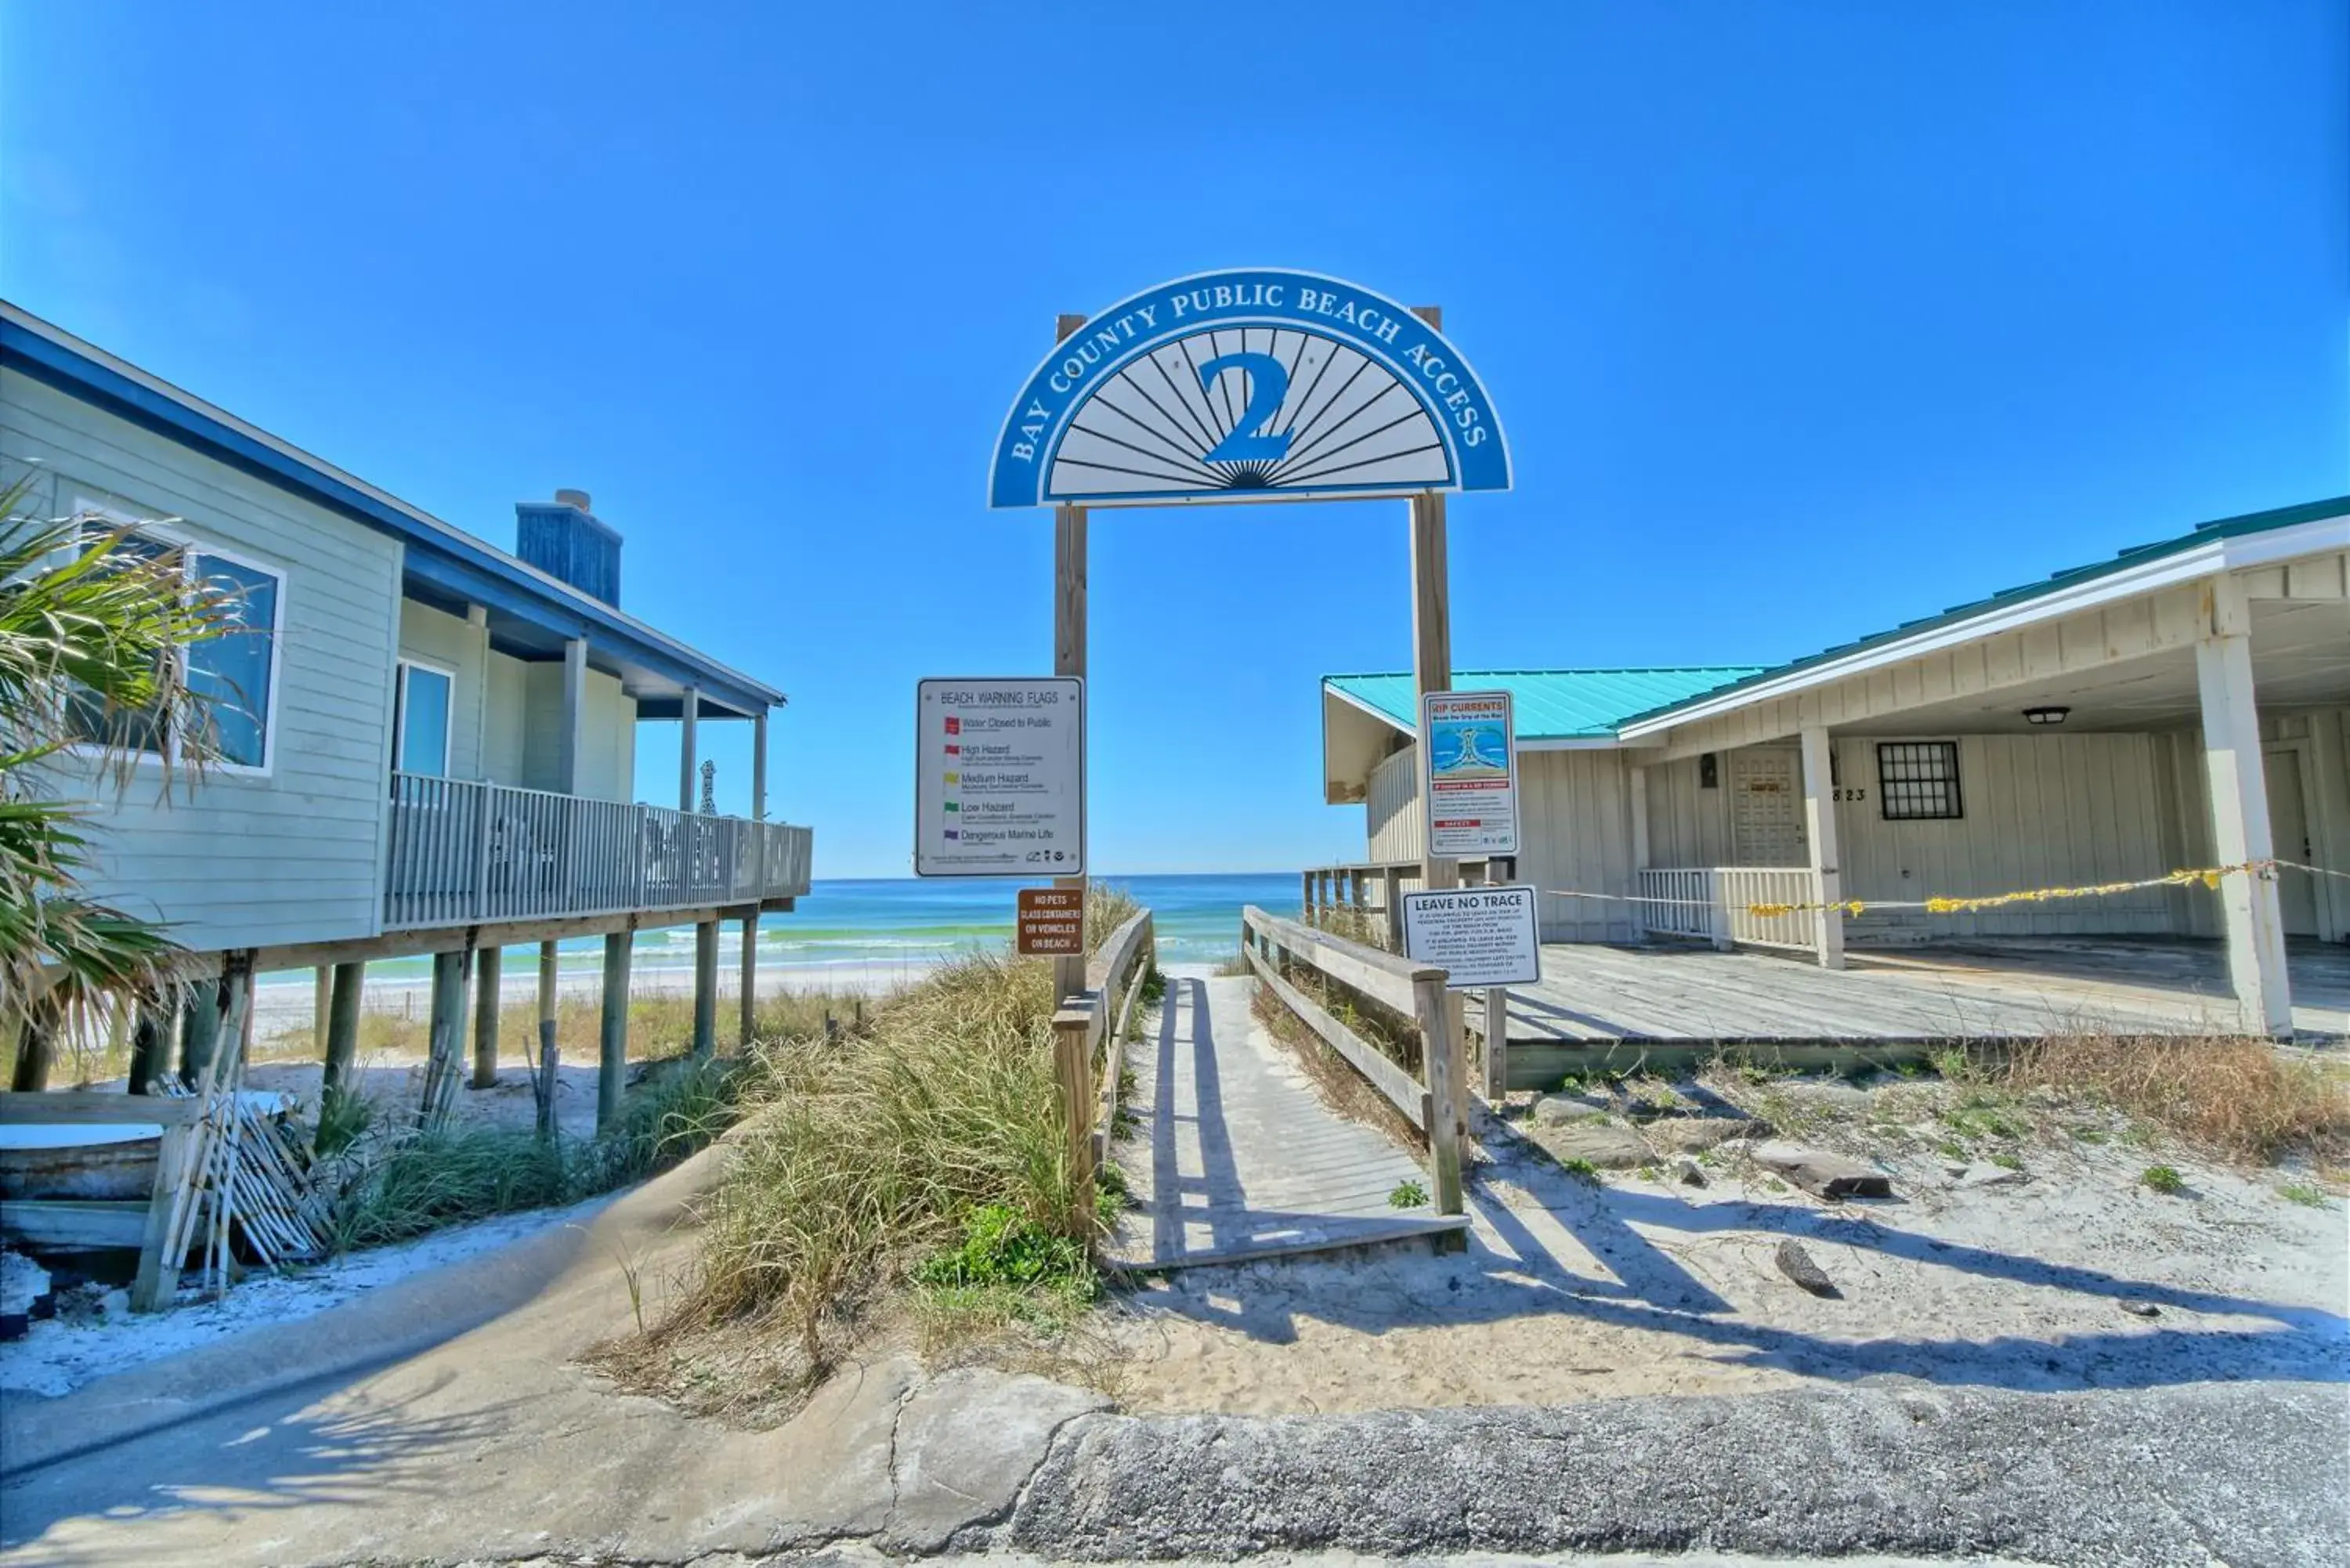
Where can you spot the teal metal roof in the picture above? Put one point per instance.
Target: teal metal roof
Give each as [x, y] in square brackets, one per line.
[2202, 534]
[1552, 704]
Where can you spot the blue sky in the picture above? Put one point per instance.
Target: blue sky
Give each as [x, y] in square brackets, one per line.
[1805, 318]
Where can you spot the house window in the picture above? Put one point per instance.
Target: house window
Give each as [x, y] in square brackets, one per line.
[425, 699]
[236, 671]
[1917, 781]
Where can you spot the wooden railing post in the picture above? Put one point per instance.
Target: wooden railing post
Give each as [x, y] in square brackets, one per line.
[1073, 1075]
[1436, 1054]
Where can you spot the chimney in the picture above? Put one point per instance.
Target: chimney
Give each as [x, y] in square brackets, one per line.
[564, 539]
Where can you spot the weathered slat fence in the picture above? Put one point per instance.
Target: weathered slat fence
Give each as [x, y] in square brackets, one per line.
[1094, 1023]
[1431, 1101]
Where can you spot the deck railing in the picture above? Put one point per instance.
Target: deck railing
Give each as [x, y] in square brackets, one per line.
[1364, 900]
[1713, 903]
[463, 852]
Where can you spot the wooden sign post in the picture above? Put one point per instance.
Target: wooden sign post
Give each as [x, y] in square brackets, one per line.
[1069, 659]
[1432, 670]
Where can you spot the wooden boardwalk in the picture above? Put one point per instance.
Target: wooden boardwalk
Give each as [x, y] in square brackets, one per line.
[1234, 1157]
[1983, 989]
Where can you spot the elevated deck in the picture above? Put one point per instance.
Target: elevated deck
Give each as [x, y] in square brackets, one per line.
[1941, 993]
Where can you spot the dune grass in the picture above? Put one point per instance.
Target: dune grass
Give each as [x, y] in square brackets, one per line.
[2240, 1099]
[918, 1170]
[415, 1184]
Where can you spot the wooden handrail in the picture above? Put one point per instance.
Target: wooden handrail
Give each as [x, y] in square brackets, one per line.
[1383, 976]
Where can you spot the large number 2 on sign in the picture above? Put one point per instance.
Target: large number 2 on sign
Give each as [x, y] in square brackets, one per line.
[1268, 384]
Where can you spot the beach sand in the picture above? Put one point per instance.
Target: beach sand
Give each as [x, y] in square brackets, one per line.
[1576, 1290]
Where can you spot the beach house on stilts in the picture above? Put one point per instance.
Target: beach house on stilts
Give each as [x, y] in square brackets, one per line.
[428, 744]
[2118, 796]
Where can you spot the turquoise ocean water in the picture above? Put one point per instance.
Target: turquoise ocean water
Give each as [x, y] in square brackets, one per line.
[903, 920]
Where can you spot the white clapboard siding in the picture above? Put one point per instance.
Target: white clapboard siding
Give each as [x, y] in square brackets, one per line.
[243, 859]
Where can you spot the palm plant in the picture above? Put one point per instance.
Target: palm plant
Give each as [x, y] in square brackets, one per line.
[92, 657]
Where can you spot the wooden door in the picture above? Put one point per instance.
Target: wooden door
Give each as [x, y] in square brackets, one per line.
[2289, 832]
[1766, 808]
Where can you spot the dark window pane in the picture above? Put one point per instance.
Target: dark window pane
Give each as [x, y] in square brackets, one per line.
[1917, 781]
[233, 669]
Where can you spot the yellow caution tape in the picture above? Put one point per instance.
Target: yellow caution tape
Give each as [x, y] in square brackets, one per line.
[1946, 905]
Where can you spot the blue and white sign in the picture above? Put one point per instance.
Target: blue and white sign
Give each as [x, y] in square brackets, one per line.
[1249, 385]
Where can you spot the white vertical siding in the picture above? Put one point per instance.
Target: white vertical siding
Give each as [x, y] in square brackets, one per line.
[240, 860]
[607, 734]
[1398, 827]
[1575, 834]
[2041, 811]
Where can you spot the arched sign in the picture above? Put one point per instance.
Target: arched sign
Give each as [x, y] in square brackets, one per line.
[1251, 385]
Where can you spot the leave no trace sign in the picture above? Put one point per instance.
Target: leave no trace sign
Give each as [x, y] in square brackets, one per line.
[1051, 923]
[1482, 936]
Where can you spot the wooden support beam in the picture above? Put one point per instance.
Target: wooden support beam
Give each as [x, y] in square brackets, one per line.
[705, 989]
[550, 1056]
[343, 1024]
[1820, 828]
[1439, 1056]
[749, 1001]
[2249, 907]
[612, 1067]
[321, 1000]
[489, 978]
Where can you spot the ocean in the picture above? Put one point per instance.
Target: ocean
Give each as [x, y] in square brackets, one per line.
[881, 923]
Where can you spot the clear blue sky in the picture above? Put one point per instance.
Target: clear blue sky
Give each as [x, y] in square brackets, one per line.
[1805, 318]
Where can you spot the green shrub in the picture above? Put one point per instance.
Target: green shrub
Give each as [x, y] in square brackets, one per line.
[2163, 1178]
[1001, 1246]
[1408, 1195]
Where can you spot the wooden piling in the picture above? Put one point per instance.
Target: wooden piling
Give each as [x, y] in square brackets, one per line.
[36, 1052]
[612, 1067]
[489, 975]
[750, 968]
[150, 1047]
[200, 1028]
[445, 1041]
[550, 1056]
[343, 1024]
[705, 989]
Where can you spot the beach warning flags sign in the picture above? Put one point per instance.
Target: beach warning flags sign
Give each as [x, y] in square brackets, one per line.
[1051, 923]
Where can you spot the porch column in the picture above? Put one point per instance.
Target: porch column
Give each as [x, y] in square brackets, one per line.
[1820, 826]
[575, 703]
[759, 851]
[1636, 791]
[613, 1064]
[546, 1081]
[488, 986]
[689, 727]
[2240, 812]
